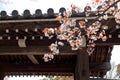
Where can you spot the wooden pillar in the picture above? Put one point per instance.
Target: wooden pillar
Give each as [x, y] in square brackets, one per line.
[82, 65]
[1, 74]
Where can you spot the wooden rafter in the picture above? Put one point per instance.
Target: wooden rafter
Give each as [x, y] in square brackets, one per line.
[33, 59]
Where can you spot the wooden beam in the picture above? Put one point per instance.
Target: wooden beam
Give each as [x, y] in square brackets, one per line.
[114, 40]
[33, 50]
[29, 42]
[41, 68]
[51, 67]
[41, 20]
[32, 53]
[33, 59]
[109, 42]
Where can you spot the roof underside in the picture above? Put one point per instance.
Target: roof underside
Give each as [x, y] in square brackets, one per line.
[17, 60]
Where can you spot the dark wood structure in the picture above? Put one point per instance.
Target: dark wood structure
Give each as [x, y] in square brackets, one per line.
[22, 47]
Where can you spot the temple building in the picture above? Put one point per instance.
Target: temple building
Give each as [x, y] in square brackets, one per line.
[23, 43]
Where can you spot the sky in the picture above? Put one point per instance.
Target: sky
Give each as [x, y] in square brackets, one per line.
[32, 5]
[116, 54]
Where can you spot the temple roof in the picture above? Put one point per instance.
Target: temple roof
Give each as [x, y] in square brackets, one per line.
[22, 45]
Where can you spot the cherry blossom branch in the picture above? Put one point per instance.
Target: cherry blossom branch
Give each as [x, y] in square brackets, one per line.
[76, 35]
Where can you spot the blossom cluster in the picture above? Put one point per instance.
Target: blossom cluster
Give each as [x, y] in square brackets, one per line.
[77, 32]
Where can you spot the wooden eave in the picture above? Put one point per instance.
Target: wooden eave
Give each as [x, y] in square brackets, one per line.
[28, 60]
